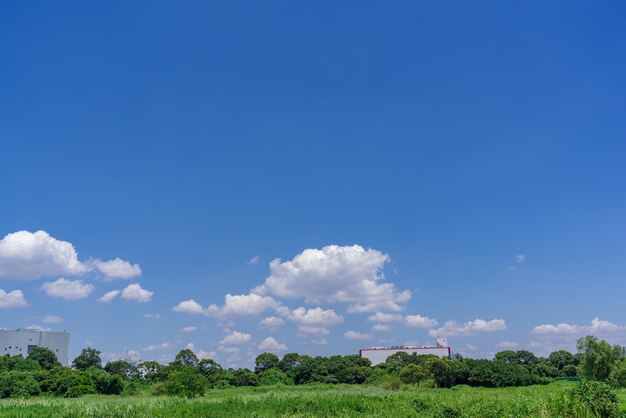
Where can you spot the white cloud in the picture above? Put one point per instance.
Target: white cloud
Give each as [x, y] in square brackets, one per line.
[271, 322]
[270, 344]
[312, 330]
[159, 347]
[189, 329]
[355, 335]
[452, 328]
[13, 299]
[384, 317]
[68, 289]
[26, 255]
[418, 321]
[38, 328]
[597, 327]
[381, 327]
[254, 260]
[315, 317]
[348, 274]
[230, 350]
[52, 319]
[319, 341]
[520, 258]
[234, 306]
[152, 316]
[117, 268]
[236, 338]
[201, 354]
[242, 305]
[471, 347]
[136, 293]
[189, 306]
[109, 296]
[507, 344]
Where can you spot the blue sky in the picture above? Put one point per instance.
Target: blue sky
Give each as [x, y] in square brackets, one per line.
[441, 161]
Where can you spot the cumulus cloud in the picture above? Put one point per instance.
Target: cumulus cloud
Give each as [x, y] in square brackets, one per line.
[418, 321]
[201, 354]
[507, 344]
[26, 255]
[188, 329]
[349, 274]
[52, 319]
[13, 299]
[315, 316]
[597, 327]
[68, 289]
[242, 305]
[109, 296]
[385, 317]
[381, 327]
[189, 306]
[117, 269]
[159, 347]
[312, 330]
[452, 328]
[319, 341]
[234, 306]
[236, 338]
[271, 322]
[355, 335]
[38, 328]
[135, 293]
[270, 344]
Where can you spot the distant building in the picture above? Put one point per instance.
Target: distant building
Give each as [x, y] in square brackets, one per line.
[378, 355]
[23, 341]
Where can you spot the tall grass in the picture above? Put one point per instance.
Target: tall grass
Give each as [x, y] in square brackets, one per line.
[317, 400]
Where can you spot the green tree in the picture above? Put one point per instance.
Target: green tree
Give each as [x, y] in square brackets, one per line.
[441, 371]
[121, 368]
[152, 371]
[185, 382]
[274, 376]
[45, 357]
[617, 377]
[89, 357]
[561, 359]
[186, 357]
[412, 374]
[244, 377]
[265, 361]
[597, 357]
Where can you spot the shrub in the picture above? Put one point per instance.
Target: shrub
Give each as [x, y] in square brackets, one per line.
[274, 377]
[186, 382]
[80, 390]
[391, 382]
[598, 397]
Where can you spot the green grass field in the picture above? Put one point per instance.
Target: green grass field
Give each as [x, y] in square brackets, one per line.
[314, 400]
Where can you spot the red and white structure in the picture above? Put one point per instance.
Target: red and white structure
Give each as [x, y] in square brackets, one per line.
[378, 355]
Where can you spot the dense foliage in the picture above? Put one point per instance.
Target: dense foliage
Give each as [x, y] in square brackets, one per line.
[188, 376]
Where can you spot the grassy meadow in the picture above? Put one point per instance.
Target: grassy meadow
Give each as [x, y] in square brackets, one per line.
[318, 400]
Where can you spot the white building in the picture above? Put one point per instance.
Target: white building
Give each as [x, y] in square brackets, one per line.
[23, 341]
[378, 355]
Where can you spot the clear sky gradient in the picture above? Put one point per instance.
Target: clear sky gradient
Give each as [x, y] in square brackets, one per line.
[190, 137]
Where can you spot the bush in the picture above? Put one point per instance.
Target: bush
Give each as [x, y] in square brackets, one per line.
[598, 397]
[390, 382]
[78, 391]
[158, 389]
[274, 377]
[187, 382]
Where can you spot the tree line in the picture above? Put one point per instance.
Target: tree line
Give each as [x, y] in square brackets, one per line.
[40, 373]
